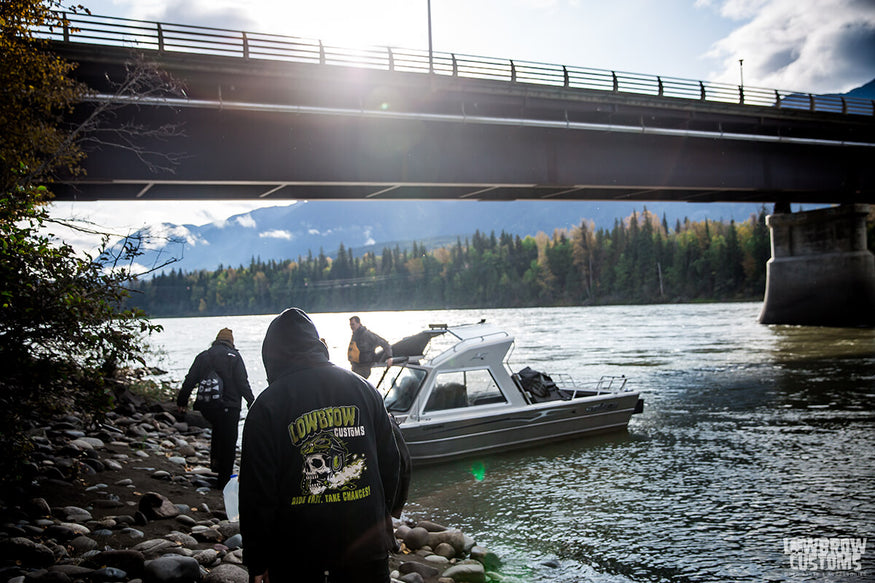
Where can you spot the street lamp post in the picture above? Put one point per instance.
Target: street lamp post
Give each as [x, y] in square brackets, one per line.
[430, 55]
[740, 70]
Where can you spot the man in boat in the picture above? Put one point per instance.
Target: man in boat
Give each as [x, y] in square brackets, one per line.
[320, 471]
[363, 346]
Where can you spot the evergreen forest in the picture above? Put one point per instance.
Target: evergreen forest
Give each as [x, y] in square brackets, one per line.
[639, 260]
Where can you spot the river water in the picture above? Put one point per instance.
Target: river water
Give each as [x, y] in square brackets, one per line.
[753, 438]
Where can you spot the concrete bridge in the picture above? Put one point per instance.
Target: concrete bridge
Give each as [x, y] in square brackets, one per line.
[268, 116]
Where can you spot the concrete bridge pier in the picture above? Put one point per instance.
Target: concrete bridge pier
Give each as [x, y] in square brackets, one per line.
[821, 272]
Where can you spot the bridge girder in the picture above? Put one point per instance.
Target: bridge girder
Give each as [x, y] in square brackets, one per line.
[264, 129]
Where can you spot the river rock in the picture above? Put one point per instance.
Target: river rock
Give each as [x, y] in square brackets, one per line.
[227, 573]
[445, 550]
[55, 543]
[73, 571]
[155, 506]
[154, 548]
[82, 544]
[107, 575]
[30, 553]
[181, 538]
[72, 514]
[416, 538]
[171, 569]
[454, 538]
[207, 557]
[415, 567]
[467, 572]
[431, 526]
[128, 560]
[45, 576]
[402, 531]
[489, 559]
[38, 507]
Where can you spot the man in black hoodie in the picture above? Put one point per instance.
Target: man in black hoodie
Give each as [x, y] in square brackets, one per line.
[223, 359]
[320, 468]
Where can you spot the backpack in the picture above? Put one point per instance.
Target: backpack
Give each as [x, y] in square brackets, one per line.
[352, 353]
[540, 386]
[209, 392]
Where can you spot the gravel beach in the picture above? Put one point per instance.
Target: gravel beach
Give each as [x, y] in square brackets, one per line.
[130, 499]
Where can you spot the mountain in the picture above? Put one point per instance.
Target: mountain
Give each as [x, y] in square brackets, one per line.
[277, 233]
[866, 91]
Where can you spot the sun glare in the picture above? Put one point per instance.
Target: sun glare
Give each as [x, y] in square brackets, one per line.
[345, 23]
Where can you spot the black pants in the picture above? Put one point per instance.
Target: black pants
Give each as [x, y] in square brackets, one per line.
[223, 447]
[363, 369]
[372, 572]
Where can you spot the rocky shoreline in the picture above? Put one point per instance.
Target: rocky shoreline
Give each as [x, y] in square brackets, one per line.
[129, 499]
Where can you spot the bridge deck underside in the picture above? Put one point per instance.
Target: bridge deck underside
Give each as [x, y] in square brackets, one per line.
[276, 130]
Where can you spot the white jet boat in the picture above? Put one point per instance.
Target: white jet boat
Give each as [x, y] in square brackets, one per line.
[466, 400]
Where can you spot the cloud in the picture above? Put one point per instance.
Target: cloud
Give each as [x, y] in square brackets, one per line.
[798, 45]
[246, 221]
[219, 14]
[276, 234]
[157, 236]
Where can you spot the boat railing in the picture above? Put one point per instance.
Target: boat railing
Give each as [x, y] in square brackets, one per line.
[607, 384]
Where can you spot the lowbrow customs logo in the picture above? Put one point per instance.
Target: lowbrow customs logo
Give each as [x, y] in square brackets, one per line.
[328, 465]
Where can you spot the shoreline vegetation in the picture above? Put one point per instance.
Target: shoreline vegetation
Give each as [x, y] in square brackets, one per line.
[127, 497]
[641, 260]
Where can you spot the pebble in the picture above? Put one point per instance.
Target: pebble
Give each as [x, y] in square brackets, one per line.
[104, 542]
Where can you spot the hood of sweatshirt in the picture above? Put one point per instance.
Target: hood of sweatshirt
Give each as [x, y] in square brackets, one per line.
[290, 344]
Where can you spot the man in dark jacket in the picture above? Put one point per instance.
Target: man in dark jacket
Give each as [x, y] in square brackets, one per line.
[320, 468]
[363, 346]
[223, 359]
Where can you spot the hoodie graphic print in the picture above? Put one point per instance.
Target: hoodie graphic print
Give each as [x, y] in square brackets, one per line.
[330, 473]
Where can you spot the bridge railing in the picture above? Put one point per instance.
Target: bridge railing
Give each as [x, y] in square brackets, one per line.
[165, 37]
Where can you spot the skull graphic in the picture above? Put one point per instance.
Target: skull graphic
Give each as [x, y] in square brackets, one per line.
[324, 456]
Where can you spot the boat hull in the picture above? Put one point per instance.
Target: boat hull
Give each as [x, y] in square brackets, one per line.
[443, 439]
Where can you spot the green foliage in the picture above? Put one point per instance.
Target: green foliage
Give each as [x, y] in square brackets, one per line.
[64, 331]
[637, 261]
[37, 92]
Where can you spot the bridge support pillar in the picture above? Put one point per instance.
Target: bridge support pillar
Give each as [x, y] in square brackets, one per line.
[821, 272]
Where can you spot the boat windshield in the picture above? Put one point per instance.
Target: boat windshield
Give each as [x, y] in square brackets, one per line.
[400, 386]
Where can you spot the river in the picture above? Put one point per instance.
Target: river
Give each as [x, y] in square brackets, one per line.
[754, 440]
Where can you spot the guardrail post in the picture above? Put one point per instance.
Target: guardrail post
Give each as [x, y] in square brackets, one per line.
[811, 106]
[391, 59]
[455, 66]
[844, 105]
[321, 53]
[566, 80]
[659, 81]
[701, 91]
[245, 46]
[160, 38]
[616, 81]
[512, 72]
[741, 95]
[66, 27]
[777, 99]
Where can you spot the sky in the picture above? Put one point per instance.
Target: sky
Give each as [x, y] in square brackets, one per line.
[809, 46]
